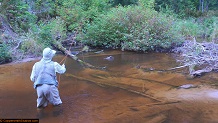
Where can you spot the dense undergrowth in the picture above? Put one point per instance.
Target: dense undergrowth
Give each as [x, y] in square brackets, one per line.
[135, 26]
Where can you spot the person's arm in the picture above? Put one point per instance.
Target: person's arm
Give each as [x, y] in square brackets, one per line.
[32, 76]
[59, 68]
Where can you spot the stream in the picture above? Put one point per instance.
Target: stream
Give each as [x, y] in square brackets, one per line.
[128, 87]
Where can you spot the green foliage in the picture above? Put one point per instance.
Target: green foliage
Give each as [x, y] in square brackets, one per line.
[4, 53]
[204, 29]
[77, 13]
[17, 14]
[134, 25]
[51, 30]
[43, 9]
[214, 34]
[30, 44]
[147, 3]
[132, 28]
[187, 8]
[123, 2]
[188, 28]
[178, 6]
[44, 35]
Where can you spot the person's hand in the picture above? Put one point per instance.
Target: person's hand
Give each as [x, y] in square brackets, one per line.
[63, 65]
[67, 52]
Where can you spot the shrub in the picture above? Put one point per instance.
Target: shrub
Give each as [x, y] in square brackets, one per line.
[214, 35]
[209, 25]
[30, 44]
[77, 13]
[132, 28]
[188, 28]
[42, 36]
[49, 31]
[17, 14]
[4, 53]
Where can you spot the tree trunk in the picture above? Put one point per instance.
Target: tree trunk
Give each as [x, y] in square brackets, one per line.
[202, 5]
[207, 5]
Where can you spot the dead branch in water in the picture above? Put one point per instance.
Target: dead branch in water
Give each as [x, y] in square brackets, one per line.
[201, 55]
[178, 67]
[200, 58]
[68, 53]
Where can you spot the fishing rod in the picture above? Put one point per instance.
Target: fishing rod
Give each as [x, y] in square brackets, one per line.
[65, 57]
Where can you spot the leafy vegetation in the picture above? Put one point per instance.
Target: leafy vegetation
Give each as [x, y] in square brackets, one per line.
[4, 55]
[44, 35]
[137, 25]
[76, 13]
[132, 28]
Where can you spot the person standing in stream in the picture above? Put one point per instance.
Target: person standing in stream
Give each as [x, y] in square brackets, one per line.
[45, 81]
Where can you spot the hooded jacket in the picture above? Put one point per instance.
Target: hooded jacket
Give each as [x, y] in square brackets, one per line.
[44, 71]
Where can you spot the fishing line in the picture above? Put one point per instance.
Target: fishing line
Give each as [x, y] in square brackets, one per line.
[65, 57]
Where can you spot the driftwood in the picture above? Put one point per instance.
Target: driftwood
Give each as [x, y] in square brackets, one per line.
[200, 72]
[198, 55]
[68, 53]
[177, 67]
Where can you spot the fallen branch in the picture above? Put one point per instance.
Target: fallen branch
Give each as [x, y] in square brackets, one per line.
[178, 67]
[18, 45]
[200, 72]
[68, 53]
[204, 55]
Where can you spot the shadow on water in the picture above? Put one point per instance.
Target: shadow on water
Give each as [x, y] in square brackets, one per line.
[130, 88]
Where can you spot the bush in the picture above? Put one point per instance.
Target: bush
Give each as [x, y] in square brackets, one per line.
[188, 28]
[77, 13]
[4, 53]
[49, 32]
[42, 36]
[203, 28]
[132, 28]
[17, 14]
[214, 34]
[30, 45]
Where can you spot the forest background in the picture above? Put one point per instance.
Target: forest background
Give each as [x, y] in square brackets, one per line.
[28, 26]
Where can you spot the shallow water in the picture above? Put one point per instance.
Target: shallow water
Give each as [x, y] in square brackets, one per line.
[131, 88]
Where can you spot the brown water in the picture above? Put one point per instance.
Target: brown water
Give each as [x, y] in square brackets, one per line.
[131, 89]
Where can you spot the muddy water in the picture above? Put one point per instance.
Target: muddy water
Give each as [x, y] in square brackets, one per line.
[130, 88]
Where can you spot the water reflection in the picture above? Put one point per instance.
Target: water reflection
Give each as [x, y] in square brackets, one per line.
[123, 92]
